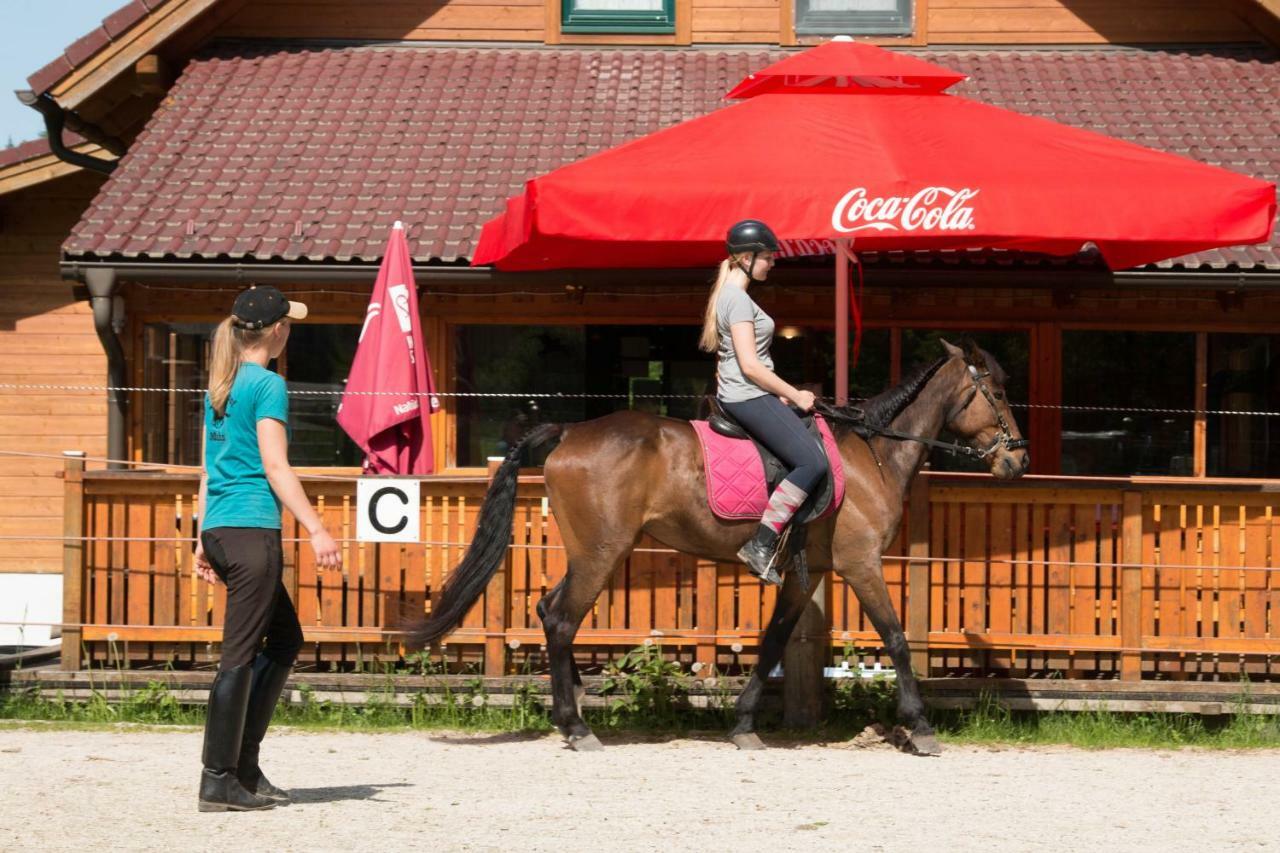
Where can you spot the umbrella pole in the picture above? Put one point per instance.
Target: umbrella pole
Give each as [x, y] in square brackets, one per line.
[843, 250]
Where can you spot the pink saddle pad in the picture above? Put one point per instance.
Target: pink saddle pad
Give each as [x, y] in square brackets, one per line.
[735, 473]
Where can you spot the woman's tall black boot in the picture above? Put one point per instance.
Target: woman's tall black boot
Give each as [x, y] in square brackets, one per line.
[220, 790]
[269, 679]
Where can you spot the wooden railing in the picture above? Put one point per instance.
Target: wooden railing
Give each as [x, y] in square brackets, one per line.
[1075, 577]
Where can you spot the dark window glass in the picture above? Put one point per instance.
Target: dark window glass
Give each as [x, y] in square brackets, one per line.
[657, 369]
[1012, 350]
[514, 360]
[1244, 376]
[318, 358]
[175, 356]
[1130, 370]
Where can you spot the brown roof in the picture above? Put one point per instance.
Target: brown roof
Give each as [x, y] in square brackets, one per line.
[310, 153]
[34, 148]
[80, 50]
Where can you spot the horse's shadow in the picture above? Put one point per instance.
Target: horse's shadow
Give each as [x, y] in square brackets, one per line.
[336, 793]
[485, 740]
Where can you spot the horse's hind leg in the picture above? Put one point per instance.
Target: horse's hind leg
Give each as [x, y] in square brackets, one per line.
[867, 580]
[786, 613]
[561, 618]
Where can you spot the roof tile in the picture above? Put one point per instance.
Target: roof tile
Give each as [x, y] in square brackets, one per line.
[293, 153]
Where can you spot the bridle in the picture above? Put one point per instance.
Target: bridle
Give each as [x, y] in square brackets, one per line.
[856, 418]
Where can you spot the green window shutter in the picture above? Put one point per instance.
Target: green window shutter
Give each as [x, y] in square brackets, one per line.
[593, 16]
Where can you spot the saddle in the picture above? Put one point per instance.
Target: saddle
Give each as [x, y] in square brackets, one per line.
[740, 477]
[819, 502]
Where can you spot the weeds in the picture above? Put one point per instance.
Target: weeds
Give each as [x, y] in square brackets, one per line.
[646, 691]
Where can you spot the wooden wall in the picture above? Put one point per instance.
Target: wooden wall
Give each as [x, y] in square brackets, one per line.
[45, 338]
[748, 22]
[1082, 22]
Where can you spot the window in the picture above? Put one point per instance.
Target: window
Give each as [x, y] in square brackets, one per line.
[175, 356]
[1244, 376]
[849, 17]
[613, 16]
[1127, 370]
[317, 358]
[1012, 350]
[657, 369]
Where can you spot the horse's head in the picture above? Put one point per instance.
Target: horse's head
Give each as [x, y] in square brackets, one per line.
[980, 411]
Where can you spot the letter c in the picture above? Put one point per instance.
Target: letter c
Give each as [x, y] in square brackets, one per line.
[373, 510]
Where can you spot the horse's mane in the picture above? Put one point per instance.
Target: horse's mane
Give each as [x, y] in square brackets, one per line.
[881, 409]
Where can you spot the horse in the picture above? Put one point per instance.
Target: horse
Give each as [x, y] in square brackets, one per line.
[614, 478]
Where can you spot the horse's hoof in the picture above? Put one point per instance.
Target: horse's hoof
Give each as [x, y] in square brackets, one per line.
[916, 743]
[749, 742]
[585, 743]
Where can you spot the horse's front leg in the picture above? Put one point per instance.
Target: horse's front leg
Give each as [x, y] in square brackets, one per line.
[786, 613]
[866, 576]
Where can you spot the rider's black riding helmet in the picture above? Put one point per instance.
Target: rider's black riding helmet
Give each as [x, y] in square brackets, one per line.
[751, 235]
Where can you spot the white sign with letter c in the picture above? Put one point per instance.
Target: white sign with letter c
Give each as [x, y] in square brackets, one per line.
[388, 509]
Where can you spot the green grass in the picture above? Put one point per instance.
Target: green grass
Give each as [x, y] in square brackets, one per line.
[646, 694]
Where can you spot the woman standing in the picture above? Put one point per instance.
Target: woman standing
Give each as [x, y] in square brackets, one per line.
[740, 333]
[246, 479]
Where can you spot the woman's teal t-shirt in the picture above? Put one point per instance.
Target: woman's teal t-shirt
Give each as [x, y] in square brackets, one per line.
[238, 494]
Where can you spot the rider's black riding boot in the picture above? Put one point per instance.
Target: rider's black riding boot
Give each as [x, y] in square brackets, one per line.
[268, 683]
[760, 555]
[220, 790]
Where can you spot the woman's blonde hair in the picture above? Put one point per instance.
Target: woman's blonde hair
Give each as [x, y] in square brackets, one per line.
[229, 344]
[709, 340]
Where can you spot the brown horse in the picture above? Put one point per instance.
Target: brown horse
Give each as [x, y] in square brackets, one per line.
[614, 478]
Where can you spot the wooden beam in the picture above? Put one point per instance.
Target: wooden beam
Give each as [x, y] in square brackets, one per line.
[120, 56]
[151, 75]
[46, 167]
[1200, 432]
[1263, 16]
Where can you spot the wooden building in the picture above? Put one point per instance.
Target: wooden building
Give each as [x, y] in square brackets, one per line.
[276, 140]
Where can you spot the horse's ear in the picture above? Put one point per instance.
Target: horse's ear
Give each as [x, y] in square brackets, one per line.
[973, 353]
[952, 350]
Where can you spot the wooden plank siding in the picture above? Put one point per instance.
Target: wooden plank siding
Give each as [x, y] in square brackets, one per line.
[1026, 582]
[746, 22]
[45, 337]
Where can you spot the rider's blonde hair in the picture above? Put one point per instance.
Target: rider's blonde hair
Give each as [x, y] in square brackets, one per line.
[709, 341]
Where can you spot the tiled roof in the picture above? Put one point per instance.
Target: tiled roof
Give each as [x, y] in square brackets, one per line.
[34, 148]
[263, 153]
[80, 50]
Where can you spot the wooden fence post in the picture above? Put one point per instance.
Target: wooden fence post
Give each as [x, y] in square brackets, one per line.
[495, 609]
[1131, 589]
[707, 572]
[918, 580]
[807, 652]
[72, 557]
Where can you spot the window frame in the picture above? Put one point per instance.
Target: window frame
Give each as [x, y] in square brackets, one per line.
[624, 21]
[898, 23]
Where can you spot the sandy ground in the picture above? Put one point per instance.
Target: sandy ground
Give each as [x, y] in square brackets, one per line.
[136, 790]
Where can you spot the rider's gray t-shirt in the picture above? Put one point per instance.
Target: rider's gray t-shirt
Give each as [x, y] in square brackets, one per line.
[733, 305]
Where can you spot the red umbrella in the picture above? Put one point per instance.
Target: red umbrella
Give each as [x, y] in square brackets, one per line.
[919, 170]
[387, 405]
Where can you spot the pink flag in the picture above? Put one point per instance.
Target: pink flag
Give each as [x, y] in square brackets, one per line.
[393, 429]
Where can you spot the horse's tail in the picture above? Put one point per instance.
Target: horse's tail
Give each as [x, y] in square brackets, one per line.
[487, 549]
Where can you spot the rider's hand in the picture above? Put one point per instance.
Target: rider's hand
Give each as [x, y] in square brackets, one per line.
[805, 400]
[328, 555]
[204, 569]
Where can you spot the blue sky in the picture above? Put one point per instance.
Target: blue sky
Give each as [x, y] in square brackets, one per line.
[34, 32]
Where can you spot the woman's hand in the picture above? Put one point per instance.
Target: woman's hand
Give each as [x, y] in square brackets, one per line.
[328, 554]
[805, 400]
[204, 569]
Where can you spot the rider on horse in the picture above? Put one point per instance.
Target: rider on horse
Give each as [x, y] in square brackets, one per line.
[740, 333]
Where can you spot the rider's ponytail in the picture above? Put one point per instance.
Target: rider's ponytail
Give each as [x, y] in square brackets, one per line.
[710, 339]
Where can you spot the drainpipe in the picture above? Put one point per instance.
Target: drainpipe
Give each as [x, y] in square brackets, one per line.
[102, 286]
[55, 118]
